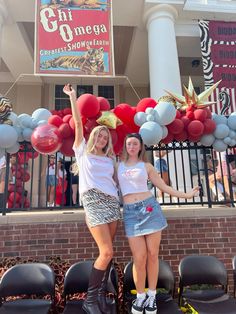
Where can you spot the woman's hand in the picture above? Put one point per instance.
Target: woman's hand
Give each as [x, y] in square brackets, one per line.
[68, 90]
[194, 192]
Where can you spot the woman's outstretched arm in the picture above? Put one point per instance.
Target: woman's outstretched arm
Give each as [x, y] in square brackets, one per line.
[156, 180]
[68, 90]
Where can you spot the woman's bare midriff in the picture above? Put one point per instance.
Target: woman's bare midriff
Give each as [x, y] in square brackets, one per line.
[136, 197]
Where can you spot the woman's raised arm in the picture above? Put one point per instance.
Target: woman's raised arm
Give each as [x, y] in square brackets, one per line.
[68, 90]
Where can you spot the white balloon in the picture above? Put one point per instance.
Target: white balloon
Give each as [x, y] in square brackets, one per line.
[166, 111]
[41, 122]
[8, 136]
[151, 133]
[41, 114]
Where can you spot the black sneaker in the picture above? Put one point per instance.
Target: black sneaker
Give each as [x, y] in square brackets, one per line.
[150, 305]
[138, 306]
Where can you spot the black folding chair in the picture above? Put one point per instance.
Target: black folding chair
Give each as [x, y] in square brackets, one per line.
[28, 282]
[165, 284]
[76, 283]
[203, 286]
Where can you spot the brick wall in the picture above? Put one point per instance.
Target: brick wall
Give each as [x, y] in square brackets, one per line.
[72, 241]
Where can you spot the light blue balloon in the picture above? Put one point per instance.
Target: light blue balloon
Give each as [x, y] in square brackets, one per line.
[27, 132]
[24, 120]
[150, 117]
[207, 139]
[164, 131]
[8, 136]
[232, 122]
[219, 119]
[232, 143]
[41, 114]
[151, 133]
[221, 131]
[41, 122]
[140, 118]
[13, 117]
[227, 140]
[14, 149]
[166, 111]
[219, 146]
[156, 115]
[232, 134]
[2, 152]
[149, 110]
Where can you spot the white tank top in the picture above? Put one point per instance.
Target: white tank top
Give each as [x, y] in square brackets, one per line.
[132, 179]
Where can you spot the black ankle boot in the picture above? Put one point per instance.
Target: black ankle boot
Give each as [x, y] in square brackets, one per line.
[102, 291]
[90, 305]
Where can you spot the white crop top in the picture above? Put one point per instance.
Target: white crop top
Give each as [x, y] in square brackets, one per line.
[95, 172]
[132, 179]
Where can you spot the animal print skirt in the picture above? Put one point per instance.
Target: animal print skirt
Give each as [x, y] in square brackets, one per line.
[100, 208]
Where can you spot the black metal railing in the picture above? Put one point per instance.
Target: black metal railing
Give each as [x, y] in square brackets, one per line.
[182, 165]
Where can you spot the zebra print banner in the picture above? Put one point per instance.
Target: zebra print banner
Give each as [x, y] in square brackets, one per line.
[218, 46]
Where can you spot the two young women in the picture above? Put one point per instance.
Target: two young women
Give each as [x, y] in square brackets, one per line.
[143, 218]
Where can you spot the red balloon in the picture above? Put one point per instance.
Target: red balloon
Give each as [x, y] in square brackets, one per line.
[11, 188]
[190, 115]
[195, 128]
[22, 158]
[67, 118]
[200, 114]
[178, 114]
[90, 124]
[185, 121]
[190, 109]
[114, 136]
[17, 174]
[168, 139]
[26, 176]
[183, 136]
[66, 148]
[144, 103]
[14, 197]
[65, 130]
[124, 112]
[176, 126]
[88, 105]
[194, 138]
[55, 120]
[46, 139]
[104, 104]
[67, 111]
[209, 126]
[32, 155]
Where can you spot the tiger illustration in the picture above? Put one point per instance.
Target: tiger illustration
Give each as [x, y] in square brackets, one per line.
[90, 63]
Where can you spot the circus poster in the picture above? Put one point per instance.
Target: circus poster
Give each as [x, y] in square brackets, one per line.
[218, 47]
[74, 37]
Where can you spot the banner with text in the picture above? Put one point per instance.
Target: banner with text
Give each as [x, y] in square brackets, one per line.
[74, 37]
[218, 46]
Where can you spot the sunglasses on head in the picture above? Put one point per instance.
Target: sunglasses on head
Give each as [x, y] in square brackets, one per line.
[136, 135]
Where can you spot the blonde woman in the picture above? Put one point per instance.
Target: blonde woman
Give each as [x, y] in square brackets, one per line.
[143, 218]
[99, 196]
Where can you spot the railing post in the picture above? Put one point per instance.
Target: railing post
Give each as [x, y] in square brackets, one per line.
[207, 179]
[6, 185]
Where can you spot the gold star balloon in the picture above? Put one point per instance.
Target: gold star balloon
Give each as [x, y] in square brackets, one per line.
[109, 119]
[191, 98]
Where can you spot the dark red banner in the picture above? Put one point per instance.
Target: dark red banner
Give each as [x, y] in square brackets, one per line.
[222, 31]
[223, 54]
[73, 37]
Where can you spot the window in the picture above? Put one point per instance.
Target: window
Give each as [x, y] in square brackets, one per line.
[61, 99]
[108, 93]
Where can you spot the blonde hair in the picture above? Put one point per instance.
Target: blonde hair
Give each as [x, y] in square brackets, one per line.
[91, 144]
[142, 153]
[75, 168]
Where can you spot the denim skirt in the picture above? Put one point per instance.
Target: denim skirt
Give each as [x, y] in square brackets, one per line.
[143, 217]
